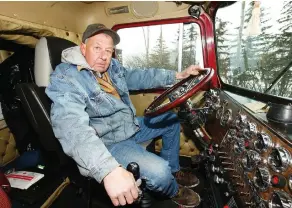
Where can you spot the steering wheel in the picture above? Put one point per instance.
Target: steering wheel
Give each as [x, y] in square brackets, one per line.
[179, 93]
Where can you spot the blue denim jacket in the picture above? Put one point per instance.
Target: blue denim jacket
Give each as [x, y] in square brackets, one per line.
[85, 119]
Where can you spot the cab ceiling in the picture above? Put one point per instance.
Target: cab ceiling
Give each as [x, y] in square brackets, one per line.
[75, 16]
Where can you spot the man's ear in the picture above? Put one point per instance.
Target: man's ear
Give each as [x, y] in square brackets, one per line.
[83, 48]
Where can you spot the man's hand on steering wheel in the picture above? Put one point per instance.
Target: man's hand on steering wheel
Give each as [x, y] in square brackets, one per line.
[162, 104]
[191, 70]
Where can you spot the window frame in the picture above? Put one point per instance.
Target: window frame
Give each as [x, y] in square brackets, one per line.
[206, 31]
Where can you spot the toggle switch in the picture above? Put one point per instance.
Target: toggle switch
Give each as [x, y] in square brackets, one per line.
[244, 194]
[226, 163]
[240, 184]
[215, 169]
[229, 169]
[224, 157]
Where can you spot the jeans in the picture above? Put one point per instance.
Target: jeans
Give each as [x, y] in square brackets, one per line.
[156, 171]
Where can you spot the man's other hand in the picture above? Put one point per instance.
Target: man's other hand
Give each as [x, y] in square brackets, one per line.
[191, 70]
[121, 187]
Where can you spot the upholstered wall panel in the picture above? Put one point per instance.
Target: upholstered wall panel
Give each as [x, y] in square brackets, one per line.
[27, 33]
[187, 146]
[8, 151]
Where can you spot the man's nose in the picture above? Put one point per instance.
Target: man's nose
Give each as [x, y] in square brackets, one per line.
[102, 55]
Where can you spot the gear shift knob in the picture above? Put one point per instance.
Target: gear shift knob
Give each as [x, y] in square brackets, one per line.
[134, 169]
[145, 201]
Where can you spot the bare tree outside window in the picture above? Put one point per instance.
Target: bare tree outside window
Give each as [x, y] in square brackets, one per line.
[168, 46]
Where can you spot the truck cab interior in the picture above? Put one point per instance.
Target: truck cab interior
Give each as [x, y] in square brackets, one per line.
[236, 117]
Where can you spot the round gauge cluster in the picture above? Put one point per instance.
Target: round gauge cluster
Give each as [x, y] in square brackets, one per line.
[252, 151]
[225, 116]
[238, 146]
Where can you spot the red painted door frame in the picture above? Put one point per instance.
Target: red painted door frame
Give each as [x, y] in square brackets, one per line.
[207, 34]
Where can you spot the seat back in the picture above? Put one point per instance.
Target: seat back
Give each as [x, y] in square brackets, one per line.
[37, 104]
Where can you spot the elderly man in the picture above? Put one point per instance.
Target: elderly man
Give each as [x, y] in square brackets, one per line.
[94, 120]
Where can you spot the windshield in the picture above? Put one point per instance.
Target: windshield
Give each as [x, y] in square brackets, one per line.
[254, 46]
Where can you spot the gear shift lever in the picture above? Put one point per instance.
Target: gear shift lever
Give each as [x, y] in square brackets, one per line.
[134, 169]
[144, 198]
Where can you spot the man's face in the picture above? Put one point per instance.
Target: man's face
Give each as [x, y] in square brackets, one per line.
[98, 51]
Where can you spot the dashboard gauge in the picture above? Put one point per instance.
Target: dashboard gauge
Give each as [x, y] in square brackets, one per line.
[219, 112]
[243, 121]
[279, 159]
[262, 204]
[280, 199]
[216, 102]
[262, 178]
[232, 132]
[225, 103]
[250, 131]
[263, 142]
[236, 121]
[208, 104]
[246, 133]
[250, 160]
[226, 117]
[238, 146]
[240, 121]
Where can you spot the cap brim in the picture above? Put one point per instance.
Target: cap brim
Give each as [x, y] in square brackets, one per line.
[114, 35]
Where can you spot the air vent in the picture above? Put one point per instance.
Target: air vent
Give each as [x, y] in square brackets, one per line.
[118, 10]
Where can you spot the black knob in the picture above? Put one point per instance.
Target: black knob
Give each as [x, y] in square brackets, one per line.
[134, 169]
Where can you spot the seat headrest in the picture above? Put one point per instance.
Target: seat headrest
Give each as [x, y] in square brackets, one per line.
[48, 52]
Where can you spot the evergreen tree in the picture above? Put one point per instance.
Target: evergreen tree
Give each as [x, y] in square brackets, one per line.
[189, 41]
[254, 53]
[159, 56]
[283, 51]
[223, 49]
[190, 36]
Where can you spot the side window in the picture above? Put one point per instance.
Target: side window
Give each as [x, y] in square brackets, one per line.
[168, 46]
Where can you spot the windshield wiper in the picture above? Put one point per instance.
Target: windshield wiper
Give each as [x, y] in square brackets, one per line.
[277, 79]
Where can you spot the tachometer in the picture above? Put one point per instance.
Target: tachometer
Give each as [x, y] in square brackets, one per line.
[279, 159]
[262, 178]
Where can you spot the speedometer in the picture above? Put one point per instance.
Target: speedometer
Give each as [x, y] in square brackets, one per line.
[279, 159]
[262, 178]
